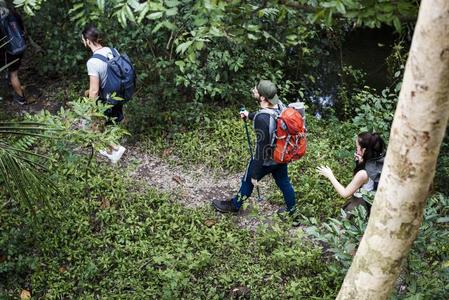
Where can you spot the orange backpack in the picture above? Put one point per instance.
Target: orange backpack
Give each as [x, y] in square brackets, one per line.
[288, 136]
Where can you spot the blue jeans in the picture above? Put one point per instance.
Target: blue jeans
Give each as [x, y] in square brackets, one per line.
[280, 175]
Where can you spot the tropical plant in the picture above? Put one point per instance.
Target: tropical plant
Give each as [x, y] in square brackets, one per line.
[22, 170]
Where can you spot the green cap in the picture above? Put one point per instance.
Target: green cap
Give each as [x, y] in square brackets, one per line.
[268, 89]
[3, 3]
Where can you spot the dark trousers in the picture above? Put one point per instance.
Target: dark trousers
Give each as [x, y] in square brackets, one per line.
[280, 175]
[114, 113]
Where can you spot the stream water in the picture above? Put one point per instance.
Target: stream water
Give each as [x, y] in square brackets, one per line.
[363, 49]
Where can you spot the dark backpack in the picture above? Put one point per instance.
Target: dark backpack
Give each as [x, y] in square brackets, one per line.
[374, 169]
[121, 78]
[14, 33]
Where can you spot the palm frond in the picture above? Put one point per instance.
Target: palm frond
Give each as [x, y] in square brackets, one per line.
[22, 170]
[24, 181]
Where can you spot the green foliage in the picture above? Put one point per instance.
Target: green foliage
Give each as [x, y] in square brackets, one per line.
[425, 273]
[22, 170]
[81, 125]
[442, 170]
[369, 13]
[376, 112]
[396, 64]
[215, 51]
[220, 143]
[427, 267]
[341, 236]
[347, 103]
[365, 12]
[109, 241]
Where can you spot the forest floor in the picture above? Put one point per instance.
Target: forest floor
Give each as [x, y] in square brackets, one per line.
[196, 186]
[193, 186]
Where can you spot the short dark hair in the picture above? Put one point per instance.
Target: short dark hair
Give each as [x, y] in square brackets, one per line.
[92, 34]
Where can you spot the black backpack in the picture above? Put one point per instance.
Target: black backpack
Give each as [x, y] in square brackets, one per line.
[14, 34]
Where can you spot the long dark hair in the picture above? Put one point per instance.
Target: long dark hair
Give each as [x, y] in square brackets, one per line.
[374, 148]
[92, 34]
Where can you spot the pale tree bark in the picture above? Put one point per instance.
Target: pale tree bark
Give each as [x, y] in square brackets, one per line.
[416, 135]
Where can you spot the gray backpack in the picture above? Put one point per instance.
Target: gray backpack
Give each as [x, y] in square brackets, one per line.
[374, 169]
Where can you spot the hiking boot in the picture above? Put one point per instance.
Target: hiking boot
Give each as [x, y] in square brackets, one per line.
[224, 206]
[19, 99]
[282, 213]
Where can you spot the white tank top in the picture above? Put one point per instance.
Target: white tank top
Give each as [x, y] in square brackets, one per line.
[367, 187]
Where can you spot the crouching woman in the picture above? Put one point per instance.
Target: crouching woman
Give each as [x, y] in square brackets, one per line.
[369, 158]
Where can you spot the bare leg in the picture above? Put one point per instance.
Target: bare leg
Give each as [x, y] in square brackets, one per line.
[15, 82]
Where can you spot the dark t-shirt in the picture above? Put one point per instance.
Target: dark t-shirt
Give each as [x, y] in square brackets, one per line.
[264, 149]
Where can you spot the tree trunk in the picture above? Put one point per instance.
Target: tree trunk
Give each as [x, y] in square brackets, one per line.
[416, 135]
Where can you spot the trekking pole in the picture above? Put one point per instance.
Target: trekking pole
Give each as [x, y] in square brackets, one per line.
[250, 149]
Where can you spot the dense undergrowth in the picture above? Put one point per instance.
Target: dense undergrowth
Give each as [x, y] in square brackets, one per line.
[104, 240]
[103, 237]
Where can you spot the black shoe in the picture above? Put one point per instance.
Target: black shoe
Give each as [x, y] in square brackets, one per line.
[283, 213]
[224, 206]
[19, 99]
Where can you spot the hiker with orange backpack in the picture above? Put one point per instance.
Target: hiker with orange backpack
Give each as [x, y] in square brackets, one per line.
[280, 139]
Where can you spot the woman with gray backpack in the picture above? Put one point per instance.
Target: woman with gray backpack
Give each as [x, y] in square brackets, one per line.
[111, 81]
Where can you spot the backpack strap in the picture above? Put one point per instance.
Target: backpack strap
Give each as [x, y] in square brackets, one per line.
[274, 115]
[115, 52]
[104, 58]
[100, 57]
[281, 106]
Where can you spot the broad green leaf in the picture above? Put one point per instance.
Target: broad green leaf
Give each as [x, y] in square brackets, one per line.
[443, 220]
[341, 8]
[397, 24]
[155, 15]
[183, 47]
[143, 13]
[169, 25]
[171, 3]
[171, 12]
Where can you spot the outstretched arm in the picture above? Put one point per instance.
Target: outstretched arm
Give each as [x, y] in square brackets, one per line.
[359, 179]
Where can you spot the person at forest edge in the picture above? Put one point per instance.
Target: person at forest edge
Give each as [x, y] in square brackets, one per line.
[266, 95]
[8, 14]
[369, 158]
[97, 71]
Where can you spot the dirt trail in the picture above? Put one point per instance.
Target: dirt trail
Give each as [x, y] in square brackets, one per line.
[37, 100]
[195, 186]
